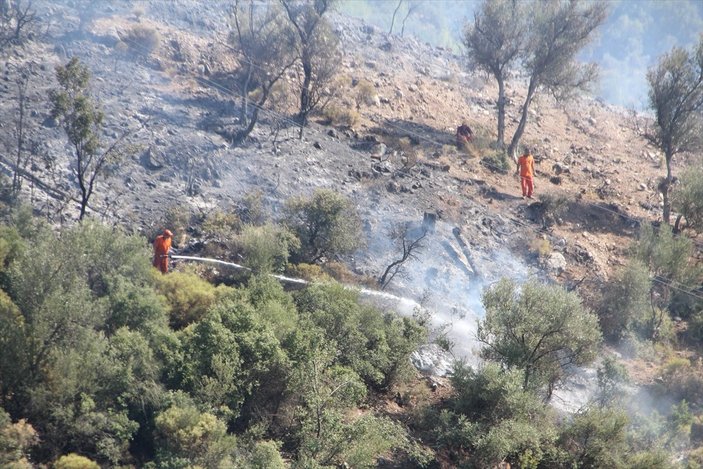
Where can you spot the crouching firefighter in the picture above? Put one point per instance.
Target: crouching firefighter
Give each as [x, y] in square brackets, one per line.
[162, 248]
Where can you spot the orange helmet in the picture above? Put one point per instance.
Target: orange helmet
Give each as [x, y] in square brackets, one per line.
[167, 233]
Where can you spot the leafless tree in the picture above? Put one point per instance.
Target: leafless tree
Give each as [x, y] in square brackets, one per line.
[22, 156]
[408, 245]
[494, 43]
[17, 20]
[676, 96]
[412, 8]
[395, 12]
[317, 50]
[556, 31]
[263, 40]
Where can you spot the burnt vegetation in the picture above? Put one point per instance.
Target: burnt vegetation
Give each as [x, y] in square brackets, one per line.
[271, 355]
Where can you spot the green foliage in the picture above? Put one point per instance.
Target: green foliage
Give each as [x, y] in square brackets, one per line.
[596, 438]
[75, 461]
[189, 297]
[497, 161]
[611, 377]
[326, 224]
[682, 380]
[266, 248]
[625, 301]
[190, 438]
[374, 345]
[266, 455]
[340, 116]
[226, 356]
[496, 418]
[538, 329]
[16, 439]
[82, 121]
[273, 305]
[135, 306]
[251, 208]
[669, 258]
[688, 198]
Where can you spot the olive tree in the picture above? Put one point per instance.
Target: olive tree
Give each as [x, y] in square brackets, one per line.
[326, 224]
[494, 42]
[264, 42]
[676, 97]
[539, 329]
[82, 120]
[317, 49]
[556, 31]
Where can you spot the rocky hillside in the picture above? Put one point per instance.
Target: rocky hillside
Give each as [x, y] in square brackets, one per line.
[397, 163]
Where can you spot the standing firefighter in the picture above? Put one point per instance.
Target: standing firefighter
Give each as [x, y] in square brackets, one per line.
[162, 246]
[526, 166]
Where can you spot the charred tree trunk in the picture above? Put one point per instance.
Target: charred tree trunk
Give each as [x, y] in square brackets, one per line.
[501, 111]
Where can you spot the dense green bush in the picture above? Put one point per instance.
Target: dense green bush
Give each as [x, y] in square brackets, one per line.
[376, 346]
[266, 248]
[188, 296]
[494, 417]
[625, 300]
[188, 437]
[226, 356]
[326, 225]
[538, 329]
[75, 461]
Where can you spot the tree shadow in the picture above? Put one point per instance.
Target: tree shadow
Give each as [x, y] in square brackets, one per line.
[416, 132]
[594, 217]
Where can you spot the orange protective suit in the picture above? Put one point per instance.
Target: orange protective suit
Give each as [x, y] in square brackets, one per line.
[526, 164]
[162, 244]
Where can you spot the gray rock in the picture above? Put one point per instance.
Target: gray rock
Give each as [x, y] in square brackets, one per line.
[432, 360]
[556, 261]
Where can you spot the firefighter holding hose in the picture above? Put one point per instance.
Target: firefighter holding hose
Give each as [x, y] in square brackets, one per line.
[162, 247]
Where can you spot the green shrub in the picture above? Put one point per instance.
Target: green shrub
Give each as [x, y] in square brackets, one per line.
[189, 438]
[340, 116]
[133, 306]
[326, 224]
[266, 248]
[500, 420]
[552, 207]
[625, 301]
[683, 380]
[596, 438]
[266, 455]
[531, 326]
[142, 39]
[688, 198]
[220, 226]
[251, 208]
[75, 461]
[375, 345]
[225, 357]
[309, 272]
[497, 161]
[188, 296]
[365, 93]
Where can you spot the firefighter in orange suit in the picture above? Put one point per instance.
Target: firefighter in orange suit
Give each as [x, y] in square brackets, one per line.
[162, 246]
[526, 166]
